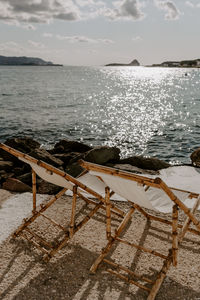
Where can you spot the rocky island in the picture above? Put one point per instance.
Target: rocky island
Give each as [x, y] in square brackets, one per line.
[133, 63]
[24, 61]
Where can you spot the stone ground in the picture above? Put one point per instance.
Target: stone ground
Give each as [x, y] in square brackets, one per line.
[24, 275]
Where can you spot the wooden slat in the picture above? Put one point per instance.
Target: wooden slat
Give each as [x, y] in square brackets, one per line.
[153, 252]
[141, 277]
[129, 280]
[34, 190]
[35, 235]
[174, 234]
[34, 243]
[53, 222]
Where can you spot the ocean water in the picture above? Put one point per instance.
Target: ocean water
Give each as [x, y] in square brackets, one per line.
[147, 111]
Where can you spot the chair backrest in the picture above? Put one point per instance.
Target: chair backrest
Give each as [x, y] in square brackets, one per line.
[49, 176]
[139, 189]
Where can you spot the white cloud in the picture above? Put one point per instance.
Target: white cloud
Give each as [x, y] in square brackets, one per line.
[36, 44]
[48, 35]
[137, 39]
[38, 11]
[189, 3]
[82, 39]
[172, 12]
[126, 9]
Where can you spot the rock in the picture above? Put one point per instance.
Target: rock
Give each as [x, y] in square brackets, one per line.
[4, 175]
[133, 169]
[6, 165]
[102, 155]
[66, 146]
[141, 162]
[19, 171]
[69, 158]
[15, 185]
[47, 188]
[26, 178]
[44, 155]
[9, 157]
[24, 144]
[74, 169]
[195, 157]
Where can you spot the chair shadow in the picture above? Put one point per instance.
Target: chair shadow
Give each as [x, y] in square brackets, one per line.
[67, 276]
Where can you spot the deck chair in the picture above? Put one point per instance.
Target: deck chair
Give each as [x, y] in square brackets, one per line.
[83, 187]
[143, 193]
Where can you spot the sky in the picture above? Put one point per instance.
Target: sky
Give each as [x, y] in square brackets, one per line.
[97, 32]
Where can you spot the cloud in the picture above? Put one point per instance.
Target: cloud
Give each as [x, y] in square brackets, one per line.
[38, 11]
[36, 44]
[189, 3]
[82, 39]
[126, 9]
[137, 39]
[172, 12]
[192, 5]
[47, 34]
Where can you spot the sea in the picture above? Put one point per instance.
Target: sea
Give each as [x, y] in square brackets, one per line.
[147, 111]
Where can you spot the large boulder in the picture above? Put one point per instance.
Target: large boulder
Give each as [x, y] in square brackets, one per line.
[45, 187]
[66, 146]
[44, 155]
[69, 158]
[102, 155]
[195, 157]
[15, 185]
[23, 144]
[74, 169]
[147, 163]
[6, 165]
[133, 169]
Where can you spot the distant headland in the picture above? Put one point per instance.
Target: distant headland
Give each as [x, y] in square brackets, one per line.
[195, 63]
[24, 61]
[133, 63]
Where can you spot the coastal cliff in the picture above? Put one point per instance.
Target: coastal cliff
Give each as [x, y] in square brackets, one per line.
[24, 61]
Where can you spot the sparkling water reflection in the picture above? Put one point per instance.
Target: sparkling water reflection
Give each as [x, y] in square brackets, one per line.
[149, 111]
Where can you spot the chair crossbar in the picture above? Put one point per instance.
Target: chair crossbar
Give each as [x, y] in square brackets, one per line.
[35, 235]
[153, 252]
[53, 222]
[133, 274]
[127, 279]
[34, 243]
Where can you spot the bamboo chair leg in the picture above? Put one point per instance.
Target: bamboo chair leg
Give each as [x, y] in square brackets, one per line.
[112, 240]
[188, 221]
[34, 191]
[161, 276]
[108, 213]
[37, 213]
[174, 234]
[71, 230]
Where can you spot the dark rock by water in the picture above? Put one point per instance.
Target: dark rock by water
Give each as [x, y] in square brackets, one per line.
[16, 175]
[24, 144]
[15, 185]
[44, 155]
[149, 163]
[102, 155]
[66, 146]
[195, 157]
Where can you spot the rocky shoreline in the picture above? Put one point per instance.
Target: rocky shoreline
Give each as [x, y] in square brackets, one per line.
[16, 176]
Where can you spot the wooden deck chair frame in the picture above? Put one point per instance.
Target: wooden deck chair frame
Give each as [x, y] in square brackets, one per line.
[24, 231]
[169, 259]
